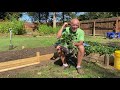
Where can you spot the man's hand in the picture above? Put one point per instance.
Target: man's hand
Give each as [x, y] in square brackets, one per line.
[75, 44]
[59, 34]
[78, 43]
[65, 25]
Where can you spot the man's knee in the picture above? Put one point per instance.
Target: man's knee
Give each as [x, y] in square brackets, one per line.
[81, 48]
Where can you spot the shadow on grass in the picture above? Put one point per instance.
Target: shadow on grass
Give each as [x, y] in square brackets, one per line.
[105, 73]
[13, 47]
[58, 62]
[93, 69]
[55, 56]
[70, 60]
[114, 44]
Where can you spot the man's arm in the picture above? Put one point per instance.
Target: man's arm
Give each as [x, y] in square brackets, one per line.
[59, 34]
[81, 39]
[78, 43]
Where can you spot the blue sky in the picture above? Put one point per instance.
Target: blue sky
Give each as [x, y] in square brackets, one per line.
[25, 17]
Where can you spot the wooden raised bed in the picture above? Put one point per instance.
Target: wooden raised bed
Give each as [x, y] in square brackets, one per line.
[10, 65]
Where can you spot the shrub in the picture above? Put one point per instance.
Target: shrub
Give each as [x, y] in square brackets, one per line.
[4, 27]
[46, 30]
[16, 26]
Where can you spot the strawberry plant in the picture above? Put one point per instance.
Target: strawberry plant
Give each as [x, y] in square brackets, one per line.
[100, 48]
[67, 41]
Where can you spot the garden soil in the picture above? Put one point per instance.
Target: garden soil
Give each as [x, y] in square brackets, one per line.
[24, 53]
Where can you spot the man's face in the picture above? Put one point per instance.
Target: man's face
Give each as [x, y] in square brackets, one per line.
[74, 25]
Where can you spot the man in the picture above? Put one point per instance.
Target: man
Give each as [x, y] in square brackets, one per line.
[78, 42]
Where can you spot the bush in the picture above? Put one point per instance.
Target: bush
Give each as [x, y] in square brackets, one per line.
[46, 30]
[16, 26]
[4, 27]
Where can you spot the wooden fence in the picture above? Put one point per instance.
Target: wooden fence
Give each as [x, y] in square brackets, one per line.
[100, 26]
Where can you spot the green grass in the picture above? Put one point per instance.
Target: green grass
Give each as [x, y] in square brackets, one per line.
[41, 41]
[100, 39]
[51, 70]
[27, 42]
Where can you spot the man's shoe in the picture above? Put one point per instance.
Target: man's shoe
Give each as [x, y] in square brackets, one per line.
[80, 70]
[65, 67]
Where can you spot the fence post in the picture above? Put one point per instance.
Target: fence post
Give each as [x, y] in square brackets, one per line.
[94, 28]
[116, 29]
[106, 60]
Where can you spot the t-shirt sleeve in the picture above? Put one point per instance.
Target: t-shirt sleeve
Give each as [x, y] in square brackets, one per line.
[81, 36]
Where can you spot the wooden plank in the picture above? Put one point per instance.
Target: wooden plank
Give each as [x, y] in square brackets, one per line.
[12, 68]
[9, 65]
[45, 57]
[16, 63]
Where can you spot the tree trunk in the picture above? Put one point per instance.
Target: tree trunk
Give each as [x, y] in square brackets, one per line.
[63, 16]
[54, 19]
[39, 16]
[46, 16]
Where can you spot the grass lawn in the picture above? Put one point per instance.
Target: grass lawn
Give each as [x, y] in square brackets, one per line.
[26, 41]
[49, 69]
[42, 41]
[101, 39]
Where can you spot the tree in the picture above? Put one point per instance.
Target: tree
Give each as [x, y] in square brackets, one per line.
[39, 16]
[13, 15]
[63, 16]
[96, 15]
[10, 15]
[66, 16]
[54, 19]
[2, 15]
[116, 14]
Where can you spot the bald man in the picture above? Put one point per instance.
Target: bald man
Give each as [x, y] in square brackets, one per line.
[78, 42]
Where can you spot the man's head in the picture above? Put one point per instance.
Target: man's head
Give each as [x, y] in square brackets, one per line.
[75, 23]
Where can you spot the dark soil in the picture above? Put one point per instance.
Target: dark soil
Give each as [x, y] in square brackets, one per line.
[25, 53]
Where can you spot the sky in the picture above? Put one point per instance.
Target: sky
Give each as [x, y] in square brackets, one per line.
[25, 17]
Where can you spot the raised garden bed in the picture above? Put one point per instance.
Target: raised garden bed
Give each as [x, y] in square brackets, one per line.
[21, 58]
[25, 53]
